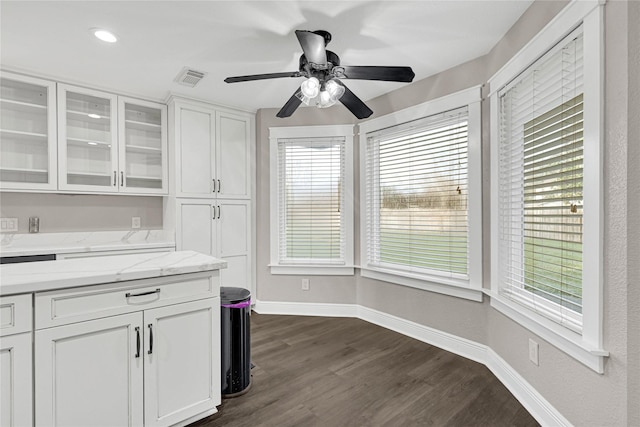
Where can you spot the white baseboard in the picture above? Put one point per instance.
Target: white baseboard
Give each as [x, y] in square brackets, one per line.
[528, 396]
[455, 344]
[533, 401]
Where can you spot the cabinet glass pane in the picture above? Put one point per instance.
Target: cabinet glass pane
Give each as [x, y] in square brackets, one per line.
[24, 136]
[89, 140]
[143, 146]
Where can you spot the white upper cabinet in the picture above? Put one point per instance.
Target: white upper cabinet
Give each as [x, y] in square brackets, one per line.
[27, 133]
[110, 144]
[213, 151]
[233, 156]
[143, 146]
[88, 140]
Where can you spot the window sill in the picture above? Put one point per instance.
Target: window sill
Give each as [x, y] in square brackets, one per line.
[557, 335]
[313, 270]
[442, 285]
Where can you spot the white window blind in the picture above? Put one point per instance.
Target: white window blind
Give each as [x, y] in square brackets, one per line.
[417, 198]
[541, 185]
[311, 178]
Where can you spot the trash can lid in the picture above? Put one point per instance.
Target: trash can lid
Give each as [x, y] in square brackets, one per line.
[232, 295]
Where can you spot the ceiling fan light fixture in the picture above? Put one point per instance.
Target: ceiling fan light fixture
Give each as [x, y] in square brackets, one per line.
[325, 100]
[335, 89]
[330, 94]
[310, 87]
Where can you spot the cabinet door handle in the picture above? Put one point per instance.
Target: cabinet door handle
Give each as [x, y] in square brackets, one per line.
[219, 186]
[214, 185]
[129, 294]
[115, 178]
[121, 179]
[137, 341]
[150, 339]
[219, 209]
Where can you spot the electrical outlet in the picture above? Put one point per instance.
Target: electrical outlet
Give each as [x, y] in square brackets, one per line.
[135, 222]
[305, 284]
[534, 352]
[8, 225]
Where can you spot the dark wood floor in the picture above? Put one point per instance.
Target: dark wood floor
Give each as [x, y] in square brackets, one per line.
[318, 371]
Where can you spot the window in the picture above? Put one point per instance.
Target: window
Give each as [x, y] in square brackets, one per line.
[420, 191]
[311, 200]
[546, 246]
[541, 169]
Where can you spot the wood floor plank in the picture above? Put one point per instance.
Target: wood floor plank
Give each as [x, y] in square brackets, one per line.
[315, 371]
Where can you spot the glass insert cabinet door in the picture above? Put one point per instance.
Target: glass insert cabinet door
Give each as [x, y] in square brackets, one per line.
[27, 133]
[87, 140]
[143, 146]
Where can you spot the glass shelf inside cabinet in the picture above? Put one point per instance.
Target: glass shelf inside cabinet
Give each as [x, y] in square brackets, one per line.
[89, 140]
[24, 138]
[143, 146]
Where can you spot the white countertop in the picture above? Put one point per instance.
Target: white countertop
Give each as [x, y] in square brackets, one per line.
[49, 275]
[64, 243]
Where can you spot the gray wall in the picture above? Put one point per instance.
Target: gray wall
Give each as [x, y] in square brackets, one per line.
[581, 395]
[322, 289]
[633, 216]
[65, 213]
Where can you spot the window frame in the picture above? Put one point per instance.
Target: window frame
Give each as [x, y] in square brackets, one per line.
[462, 288]
[292, 132]
[585, 347]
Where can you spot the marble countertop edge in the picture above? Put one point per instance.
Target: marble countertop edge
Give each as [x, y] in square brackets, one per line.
[50, 275]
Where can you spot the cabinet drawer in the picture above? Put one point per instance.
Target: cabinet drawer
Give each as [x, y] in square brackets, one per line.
[93, 302]
[15, 314]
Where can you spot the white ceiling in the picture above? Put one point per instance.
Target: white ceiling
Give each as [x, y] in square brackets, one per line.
[227, 38]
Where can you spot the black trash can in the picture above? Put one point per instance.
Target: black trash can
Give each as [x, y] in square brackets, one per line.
[235, 308]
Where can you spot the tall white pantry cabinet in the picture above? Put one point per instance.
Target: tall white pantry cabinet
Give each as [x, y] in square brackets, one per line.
[212, 185]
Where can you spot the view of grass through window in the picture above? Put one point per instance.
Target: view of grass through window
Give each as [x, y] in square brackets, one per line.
[553, 159]
[422, 214]
[312, 174]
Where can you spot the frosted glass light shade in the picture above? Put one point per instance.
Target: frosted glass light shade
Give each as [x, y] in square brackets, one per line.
[330, 95]
[310, 87]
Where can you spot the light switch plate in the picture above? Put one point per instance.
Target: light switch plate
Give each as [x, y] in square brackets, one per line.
[135, 222]
[8, 225]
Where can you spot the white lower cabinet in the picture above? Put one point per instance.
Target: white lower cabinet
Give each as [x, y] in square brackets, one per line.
[156, 365]
[182, 370]
[16, 384]
[90, 373]
[16, 368]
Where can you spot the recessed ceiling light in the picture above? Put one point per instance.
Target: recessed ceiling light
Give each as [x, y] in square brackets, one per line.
[104, 35]
[94, 116]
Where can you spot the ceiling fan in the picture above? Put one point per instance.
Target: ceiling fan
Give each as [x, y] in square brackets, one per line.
[324, 73]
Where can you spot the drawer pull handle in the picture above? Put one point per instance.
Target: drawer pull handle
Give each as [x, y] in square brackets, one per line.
[129, 294]
[150, 339]
[137, 341]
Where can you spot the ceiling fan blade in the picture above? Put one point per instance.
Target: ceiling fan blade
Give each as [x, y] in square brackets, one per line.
[353, 103]
[262, 77]
[390, 74]
[291, 105]
[313, 46]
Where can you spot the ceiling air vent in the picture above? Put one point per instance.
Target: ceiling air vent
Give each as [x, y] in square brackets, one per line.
[189, 77]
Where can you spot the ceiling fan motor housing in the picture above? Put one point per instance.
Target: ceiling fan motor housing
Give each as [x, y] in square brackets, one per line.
[320, 71]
